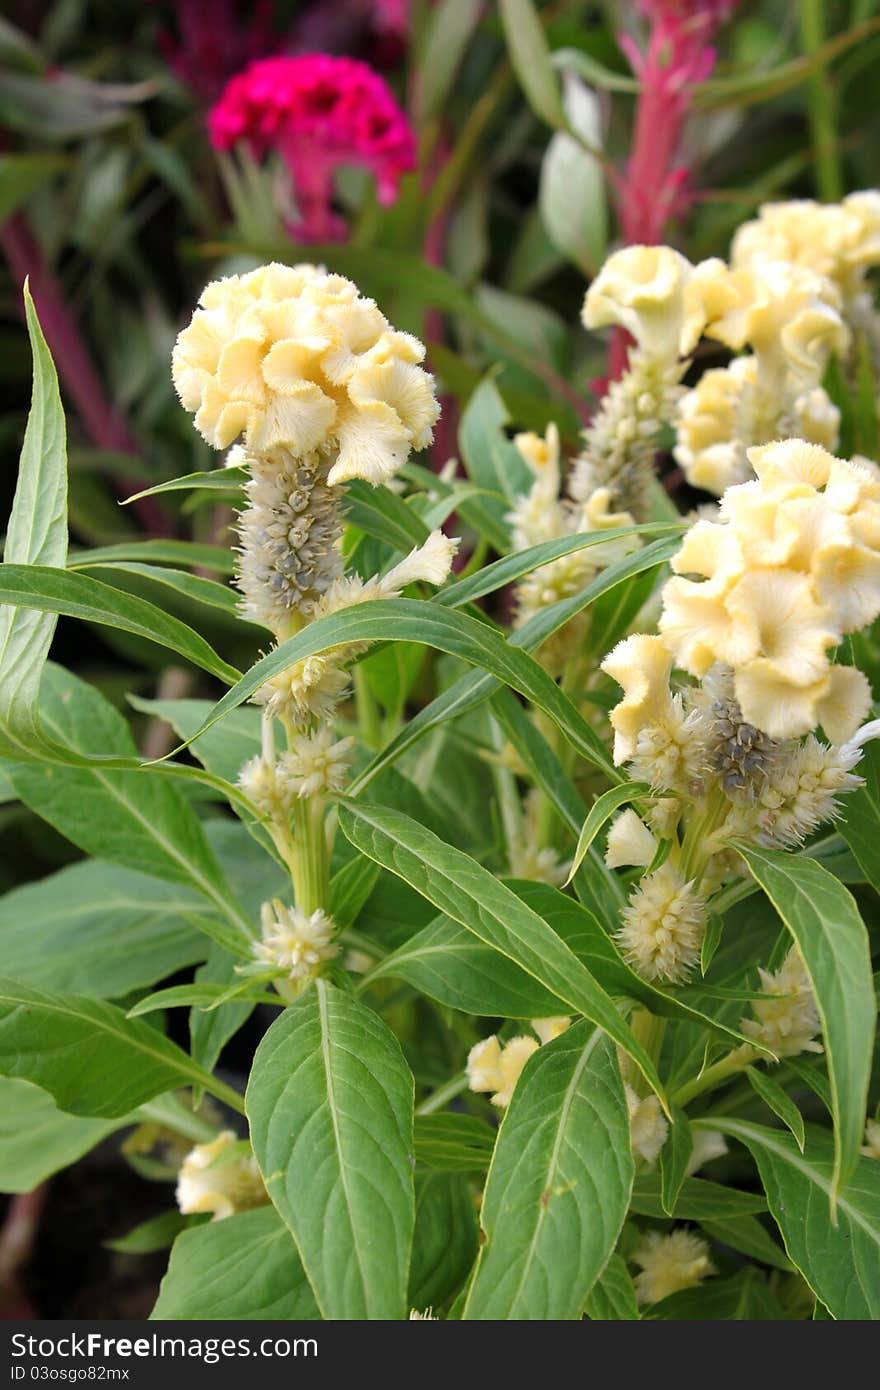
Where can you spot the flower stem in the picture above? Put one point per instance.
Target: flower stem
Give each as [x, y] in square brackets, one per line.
[722, 1070]
[823, 124]
[309, 859]
[437, 1099]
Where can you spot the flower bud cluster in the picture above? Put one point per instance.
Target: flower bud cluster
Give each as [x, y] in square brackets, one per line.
[495, 1067]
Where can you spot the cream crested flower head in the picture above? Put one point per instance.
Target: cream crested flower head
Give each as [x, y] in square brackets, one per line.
[657, 296]
[292, 358]
[494, 1067]
[838, 240]
[790, 316]
[792, 564]
[786, 1023]
[630, 842]
[668, 1263]
[298, 943]
[217, 1178]
[316, 763]
[641, 665]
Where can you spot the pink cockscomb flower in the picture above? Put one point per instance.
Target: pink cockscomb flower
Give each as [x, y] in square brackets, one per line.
[318, 112]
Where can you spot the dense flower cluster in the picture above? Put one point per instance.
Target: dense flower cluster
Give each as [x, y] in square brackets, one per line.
[289, 357]
[319, 111]
[669, 1263]
[295, 943]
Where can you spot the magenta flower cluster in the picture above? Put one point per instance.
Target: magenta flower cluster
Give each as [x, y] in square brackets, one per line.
[318, 112]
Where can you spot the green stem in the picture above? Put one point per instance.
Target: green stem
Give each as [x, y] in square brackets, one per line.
[728, 1066]
[437, 1099]
[309, 858]
[823, 122]
[369, 723]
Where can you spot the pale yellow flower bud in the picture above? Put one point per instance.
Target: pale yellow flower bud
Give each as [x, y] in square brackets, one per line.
[647, 1125]
[549, 1028]
[668, 1263]
[641, 665]
[787, 1023]
[317, 763]
[871, 1148]
[491, 1067]
[662, 926]
[213, 1179]
[629, 842]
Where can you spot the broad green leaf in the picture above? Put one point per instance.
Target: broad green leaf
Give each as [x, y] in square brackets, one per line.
[782, 1105]
[37, 1139]
[746, 1234]
[244, 1268]
[36, 534]
[698, 1199]
[602, 810]
[413, 621]
[674, 1159]
[224, 749]
[88, 1055]
[445, 1242]
[384, 515]
[823, 919]
[158, 552]
[559, 1184]
[841, 1261]
[744, 1297]
[136, 819]
[76, 595]
[330, 1107]
[613, 1296]
[860, 823]
[530, 57]
[453, 1143]
[478, 901]
[98, 929]
[493, 462]
[449, 963]
[571, 196]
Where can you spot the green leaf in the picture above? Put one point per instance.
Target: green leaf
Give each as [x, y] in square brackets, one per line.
[226, 480]
[75, 595]
[744, 1297]
[97, 929]
[474, 897]
[698, 1199]
[839, 1261]
[448, 31]
[782, 1105]
[22, 174]
[449, 963]
[158, 1233]
[137, 819]
[493, 462]
[746, 1234]
[453, 1143]
[158, 552]
[190, 586]
[445, 1243]
[330, 1106]
[860, 823]
[823, 919]
[559, 1184]
[37, 1139]
[88, 1055]
[530, 56]
[674, 1159]
[244, 1268]
[602, 810]
[223, 750]
[36, 535]
[471, 690]
[384, 515]
[613, 1296]
[571, 196]
[456, 633]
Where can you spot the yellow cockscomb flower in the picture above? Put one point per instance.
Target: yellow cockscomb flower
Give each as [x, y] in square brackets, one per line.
[657, 296]
[838, 240]
[289, 357]
[642, 665]
[787, 313]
